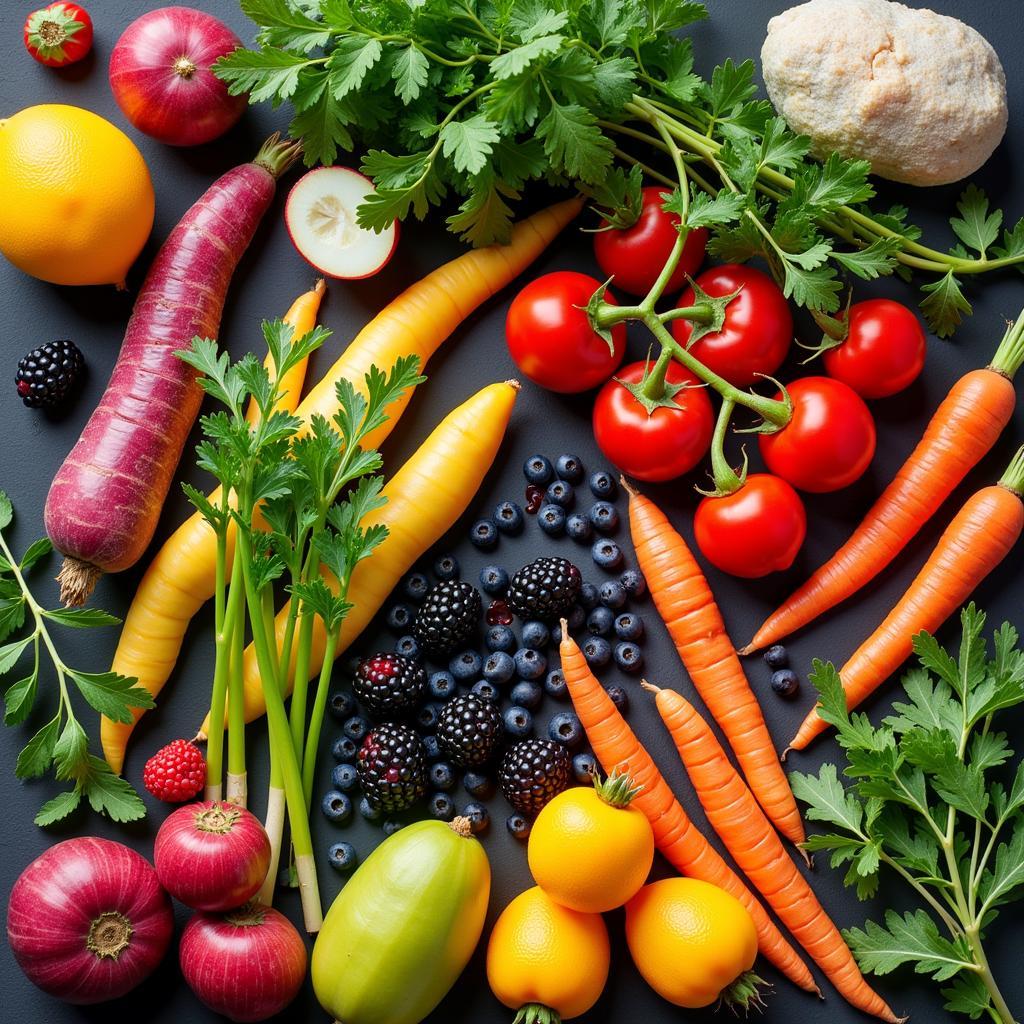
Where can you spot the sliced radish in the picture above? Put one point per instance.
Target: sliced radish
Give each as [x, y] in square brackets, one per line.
[321, 219]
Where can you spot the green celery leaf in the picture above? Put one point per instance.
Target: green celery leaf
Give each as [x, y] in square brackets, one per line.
[269, 73]
[19, 698]
[36, 550]
[1012, 244]
[531, 19]
[410, 70]
[827, 799]
[782, 148]
[10, 653]
[737, 244]
[1002, 882]
[976, 227]
[484, 217]
[731, 85]
[513, 62]
[989, 750]
[12, 614]
[284, 26]
[469, 143]
[37, 755]
[944, 305]
[70, 751]
[574, 142]
[877, 260]
[705, 211]
[350, 62]
[911, 939]
[609, 22]
[58, 808]
[916, 849]
[111, 694]
[817, 288]
[835, 182]
[110, 794]
[6, 511]
[677, 78]
[321, 126]
[82, 618]
[514, 102]
[968, 995]
[665, 16]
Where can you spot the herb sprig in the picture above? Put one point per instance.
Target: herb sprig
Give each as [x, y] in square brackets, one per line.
[479, 97]
[933, 799]
[60, 744]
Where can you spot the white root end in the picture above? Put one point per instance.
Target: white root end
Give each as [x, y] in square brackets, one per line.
[309, 893]
[212, 791]
[275, 830]
[77, 580]
[238, 789]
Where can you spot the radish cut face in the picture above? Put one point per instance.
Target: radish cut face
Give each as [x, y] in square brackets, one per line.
[321, 219]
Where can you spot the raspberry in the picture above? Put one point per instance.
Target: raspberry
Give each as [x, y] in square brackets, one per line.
[175, 773]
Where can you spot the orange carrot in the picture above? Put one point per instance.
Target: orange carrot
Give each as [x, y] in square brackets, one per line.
[688, 609]
[748, 835]
[963, 429]
[975, 542]
[685, 848]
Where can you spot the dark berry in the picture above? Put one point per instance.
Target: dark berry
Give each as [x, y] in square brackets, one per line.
[431, 748]
[465, 666]
[356, 727]
[534, 499]
[603, 485]
[785, 682]
[569, 468]
[588, 597]
[601, 621]
[536, 635]
[442, 775]
[526, 694]
[606, 554]
[500, 638]
[597, 651]
[613, 594]
[629, 626]
[469, 730]
[344, 777]
[336, 806]
[415, 586]
[49, 375]
[479, 817]
[628, 656]
[442, 686]
[584, 767]
[486, 690]
[538, 470]
[565, 728]
[776, 657]
[575, 619]
[544, 589]
[427, 716]
[499, 668]
[389, 685]
[447, 618]
[447, 568]
[633, 582]
[369, 810]
[619, 698]
[560, 493]
[556, 634]
[342, 857]
[441, 806]
[499, 613]
[554, 685]
[484, 534]
[392, 766]
[509, 518]
[532, 773]
[344, 748]
[399, 618]
[479, 785]
[518, 826]
[342, 704]
[551, 519]
[493, 580]
[603, 517]
[530, 664]
[407, 647]
[577, 527]
[518, 722]
[391, 826]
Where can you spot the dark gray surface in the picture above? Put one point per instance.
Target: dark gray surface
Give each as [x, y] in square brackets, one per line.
[270, 276]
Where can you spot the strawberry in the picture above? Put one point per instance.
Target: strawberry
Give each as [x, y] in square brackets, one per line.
[175, 773]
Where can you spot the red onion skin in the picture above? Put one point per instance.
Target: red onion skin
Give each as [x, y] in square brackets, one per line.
[244, 972]
[53, 907]
[213, 856]
[178, 109]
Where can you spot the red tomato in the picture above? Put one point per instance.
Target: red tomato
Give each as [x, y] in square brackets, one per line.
[828, 443]
[635, 256]
[551, 339]
[754, 531]
[883, 352]
[758, 325]
[59, 34]
[655, 446]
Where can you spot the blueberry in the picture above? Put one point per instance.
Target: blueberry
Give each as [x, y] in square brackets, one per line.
[569, 468]
[518, 722]
[538, 470]
[427, 716]
[484, 534]
[576, 617]
[613, 594]
[597, 651]
[465, 666]
[530, 664]
[447, 568]
[500, 638]
[628, 656]
[629, 626]
[603, 485]
[633, 582]
[391, 826]
[442, 685]
[551, 519]
[785, 682]
[356, 728]
[342, 704]
[369, 810]
[442, 807]
[399, 617]
[578, 527]
[486, 690]
[479, 785]
[336, 806]
[518, 826]
[431, 747]
[606, 554]
[499, 668]
[556, 635]
[493, 580]
[619, 698]
[342, 857]
[603, 517]
[565, 728]
[536, 635]
[589, 596]
[442, 775]
[776, 657]
[479, 817]
[415, 586]
[554, 684]
[560, 493]
[344, 777]
[526, 694]
[509, 517]
[601, 621]
[344, 748]
[584, 767]
[408, 647]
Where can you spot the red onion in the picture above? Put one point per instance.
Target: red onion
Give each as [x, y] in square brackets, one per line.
[161, 78]
[247, 964]
[212, 856]
[88, 921]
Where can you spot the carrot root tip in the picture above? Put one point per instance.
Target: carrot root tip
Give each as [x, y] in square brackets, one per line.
[200, 737]
[627, 486]
[744, 651]
[785, 754]
[808, 859]
[77, 580]
[649, 687]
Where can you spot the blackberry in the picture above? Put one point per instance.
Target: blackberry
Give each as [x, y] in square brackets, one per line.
[544, 589]
[447, 617]
[392, 767]
[48, 375]
[532, 773]
[389, 685]
[469, 730]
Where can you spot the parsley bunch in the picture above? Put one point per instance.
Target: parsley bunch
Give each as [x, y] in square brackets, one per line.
[61, 743]
[479, 97]
[931, 799]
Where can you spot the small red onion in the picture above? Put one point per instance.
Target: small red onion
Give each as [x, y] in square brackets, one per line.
[160, 74]
[212, 856]
[88, 921]
[247, 964]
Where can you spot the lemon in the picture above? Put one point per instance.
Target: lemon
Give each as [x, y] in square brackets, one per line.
[76, 199]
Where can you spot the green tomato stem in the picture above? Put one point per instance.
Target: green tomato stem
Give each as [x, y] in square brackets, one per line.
[727, 480]
[654, 383]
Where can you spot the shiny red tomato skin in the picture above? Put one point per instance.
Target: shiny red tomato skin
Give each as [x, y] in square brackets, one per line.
[758, 325]
[884, 351]
[655, 447]
[74, 48]
[829, 442]
[552, 341]
[635, 256]
[756, 530]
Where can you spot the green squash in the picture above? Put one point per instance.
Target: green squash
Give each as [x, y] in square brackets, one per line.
[401, 931]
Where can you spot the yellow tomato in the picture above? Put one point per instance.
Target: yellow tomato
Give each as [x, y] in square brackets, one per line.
[547, 957]
[689, 939]
[588, 852]
[77, 196]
